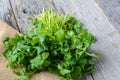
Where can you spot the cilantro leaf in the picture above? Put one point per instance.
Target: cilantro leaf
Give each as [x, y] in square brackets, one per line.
[56, 43]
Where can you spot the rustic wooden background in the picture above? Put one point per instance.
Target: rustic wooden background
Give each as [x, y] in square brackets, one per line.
[101, 17]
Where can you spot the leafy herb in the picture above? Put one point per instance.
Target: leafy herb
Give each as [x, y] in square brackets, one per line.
[56, 43]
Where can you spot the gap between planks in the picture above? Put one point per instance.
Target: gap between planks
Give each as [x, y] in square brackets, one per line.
[6, 13]
[14, 16]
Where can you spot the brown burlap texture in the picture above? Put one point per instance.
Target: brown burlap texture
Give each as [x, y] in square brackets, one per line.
[7, 73]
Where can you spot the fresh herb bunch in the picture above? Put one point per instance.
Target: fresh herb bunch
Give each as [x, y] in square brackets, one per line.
[56, 43]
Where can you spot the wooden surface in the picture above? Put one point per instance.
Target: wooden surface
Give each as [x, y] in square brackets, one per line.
[111, 9]
[101, 17]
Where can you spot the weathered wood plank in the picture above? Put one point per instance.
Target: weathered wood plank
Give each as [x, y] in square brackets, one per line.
[26, 8]
[112, 10]
[6, 13]
[84, 77]
[107, 66]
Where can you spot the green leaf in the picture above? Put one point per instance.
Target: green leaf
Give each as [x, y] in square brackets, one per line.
[36, 62]
[45, 55]
[15, 78]
[93, 55]
[64, 71]
[34, 41]
[38, 49]
[42, 38]
[19, 71]
[59, 35]
[77, 72]
[24, 78]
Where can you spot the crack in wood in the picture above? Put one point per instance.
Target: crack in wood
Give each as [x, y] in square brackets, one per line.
[14, 16]
[92, 77]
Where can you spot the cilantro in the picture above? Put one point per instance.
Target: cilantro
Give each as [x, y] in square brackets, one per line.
[56, 43]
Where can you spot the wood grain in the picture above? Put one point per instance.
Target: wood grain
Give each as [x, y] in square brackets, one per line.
[108, 38]
[6, 13]
[27, 8]
[97, 20]
[111, 8]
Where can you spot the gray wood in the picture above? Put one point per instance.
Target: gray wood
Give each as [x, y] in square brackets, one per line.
[112, 10]
[108, 38]
[6, 13]
[27, 8]
[93, 18]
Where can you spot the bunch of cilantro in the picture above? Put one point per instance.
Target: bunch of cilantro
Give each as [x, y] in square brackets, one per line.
[56, 43]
